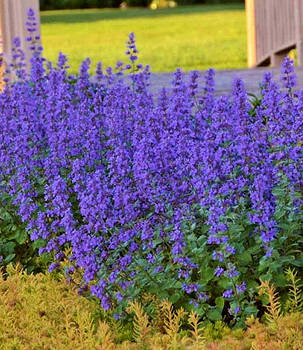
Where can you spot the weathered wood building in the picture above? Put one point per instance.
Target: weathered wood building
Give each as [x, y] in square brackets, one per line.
[274, 27]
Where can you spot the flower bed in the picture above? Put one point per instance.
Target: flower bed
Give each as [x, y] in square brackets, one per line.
[184, 195]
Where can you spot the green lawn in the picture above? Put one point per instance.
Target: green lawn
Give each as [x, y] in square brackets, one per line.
[192, 37]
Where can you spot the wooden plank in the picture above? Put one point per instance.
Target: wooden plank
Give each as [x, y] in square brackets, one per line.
[1, 66]
[299, 30]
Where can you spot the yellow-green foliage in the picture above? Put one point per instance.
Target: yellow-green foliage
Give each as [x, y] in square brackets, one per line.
[287, 334]
[44, 312]
[273, 308]
[172, 319]
[142, 327]
[196, 332]
[295, 300]
[39, 312]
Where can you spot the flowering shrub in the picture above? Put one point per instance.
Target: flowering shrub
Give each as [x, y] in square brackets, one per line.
[183, 195]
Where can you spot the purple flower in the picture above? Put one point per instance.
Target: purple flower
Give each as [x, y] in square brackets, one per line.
[133, 247]
[194, 302]
[241, 287]
[288, 76]
[203, 296]
[183, 274]
[119, 297]
[237, 309]
[234, 311]
[189, 288]
[177, 248]
[219, 271]
[232, 272]
[71, 270]
[105, 302]
[158, 269]
[230, 250]
[53, 267]
[218, 256]
[228, 293]
[132, 49]
[150, 258]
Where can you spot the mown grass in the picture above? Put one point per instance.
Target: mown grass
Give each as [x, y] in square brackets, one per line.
[191, 37]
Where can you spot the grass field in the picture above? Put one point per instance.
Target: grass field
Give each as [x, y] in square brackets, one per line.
[192, 37]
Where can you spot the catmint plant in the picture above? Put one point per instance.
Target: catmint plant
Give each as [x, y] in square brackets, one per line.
[183, 194]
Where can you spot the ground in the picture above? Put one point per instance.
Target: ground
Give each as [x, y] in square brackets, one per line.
[224, 79]
[191, 37]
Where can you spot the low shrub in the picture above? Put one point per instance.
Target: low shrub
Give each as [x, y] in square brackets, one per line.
[183, 195]
[223, 1]
[42, 311]
[77, 4]
[138, 3]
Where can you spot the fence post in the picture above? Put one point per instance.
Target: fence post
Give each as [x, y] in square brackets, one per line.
[251, 32]
[299, 31]
[13, 15]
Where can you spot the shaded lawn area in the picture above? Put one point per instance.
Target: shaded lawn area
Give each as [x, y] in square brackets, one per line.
[191, 37]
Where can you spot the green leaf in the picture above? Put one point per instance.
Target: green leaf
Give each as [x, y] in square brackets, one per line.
[9, 247]
[193, 226]
[207, 274]
[252, 284]
[21, 237]
[275, 266]
[175, 297]
[266, 277]
[245, 258]
[263, 265]
[224, 283]
[214, 315]
[251, 310]
[39, 243]
[298, 263]
[280, 213]
[235, 228]
[191, 238]
[9, 258]
[202, 241]
[280, 280]
[178, 285]
[220, 303]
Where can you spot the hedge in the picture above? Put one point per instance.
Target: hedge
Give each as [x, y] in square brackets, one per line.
[73, 4]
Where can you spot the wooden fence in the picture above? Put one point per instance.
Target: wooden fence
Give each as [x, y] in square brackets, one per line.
[13, 15]
[274, 27]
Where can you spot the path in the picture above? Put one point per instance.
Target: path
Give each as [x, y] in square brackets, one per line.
[224, 79]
